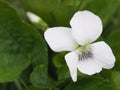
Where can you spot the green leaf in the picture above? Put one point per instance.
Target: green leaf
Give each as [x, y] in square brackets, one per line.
[34, 88]
[62, 69]
[115, 80]
[106, 9]
[59, 60]
[90, 83]
[19, 44]
[63, 73]
[17, 5]
[114, 42]
[54, 12]
[39, 77]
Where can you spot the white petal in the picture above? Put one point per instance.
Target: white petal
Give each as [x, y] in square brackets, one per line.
[103, 54]
[89, 67]
[72, 61]
[60, 39]
[86, 27]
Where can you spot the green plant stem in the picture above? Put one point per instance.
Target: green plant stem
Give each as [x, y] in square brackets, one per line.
[18, 85]
[23, 83]
[79, 6]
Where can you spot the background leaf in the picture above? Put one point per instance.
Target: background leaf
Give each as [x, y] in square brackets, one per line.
[39, 77]
[62, 69]
[115, 80]
[114, 42]
[19, 44]
[105, 9]
[90, 83]
[54, 12]
[23, 52]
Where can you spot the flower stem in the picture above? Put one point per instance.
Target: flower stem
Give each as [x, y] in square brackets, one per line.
[18, 85]
[23, 83]
[79, 6]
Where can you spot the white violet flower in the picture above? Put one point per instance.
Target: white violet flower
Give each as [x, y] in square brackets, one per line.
[89, 58]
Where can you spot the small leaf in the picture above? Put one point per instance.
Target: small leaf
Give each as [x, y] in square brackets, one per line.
[114, 42]
[39, 77]
[62, 69]
[90, 83]
[115, 80]
[63, 73]
[59, 60]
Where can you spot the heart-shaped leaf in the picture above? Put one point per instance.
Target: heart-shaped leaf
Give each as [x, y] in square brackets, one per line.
[19, 44]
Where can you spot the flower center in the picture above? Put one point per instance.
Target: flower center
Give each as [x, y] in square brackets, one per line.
[84, 52]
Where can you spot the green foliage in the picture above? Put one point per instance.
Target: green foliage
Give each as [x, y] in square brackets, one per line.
[39, 77]
[20, 44]
[24, 54]
[115, 80]
[106, 9]
[54, 12]
[114, 42]
[90, 83]
[62, 70]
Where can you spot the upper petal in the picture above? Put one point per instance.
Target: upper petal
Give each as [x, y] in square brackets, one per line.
[103, 54]
[72, 61]
[89, 67]
[86, 27]
[60, 39]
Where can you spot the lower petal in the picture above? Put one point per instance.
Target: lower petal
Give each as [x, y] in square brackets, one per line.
[89, 67]
[103, 54]
[72, 61]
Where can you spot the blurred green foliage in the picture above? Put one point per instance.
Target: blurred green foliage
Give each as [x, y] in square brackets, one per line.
[26, 63]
